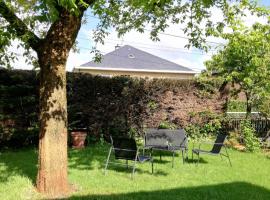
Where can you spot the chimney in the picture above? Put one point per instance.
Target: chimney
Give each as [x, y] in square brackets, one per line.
[117, 46]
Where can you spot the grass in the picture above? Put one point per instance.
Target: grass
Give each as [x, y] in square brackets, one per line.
[249, 178]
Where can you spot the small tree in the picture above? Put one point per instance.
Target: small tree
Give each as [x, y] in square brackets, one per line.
[245, 61]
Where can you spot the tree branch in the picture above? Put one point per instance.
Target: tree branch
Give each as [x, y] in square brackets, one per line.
[19, 27]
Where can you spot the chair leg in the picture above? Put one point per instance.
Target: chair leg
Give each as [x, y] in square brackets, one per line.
[228, 156]
[198, 159]
[183, 158]
[152, 164]
[173, 160]
[107, 161]
[186, 150]
[221, 157]
[134, 165]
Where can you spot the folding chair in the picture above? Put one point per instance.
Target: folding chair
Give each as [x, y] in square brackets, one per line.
[216, 149]
[167, 140]
[126, 149]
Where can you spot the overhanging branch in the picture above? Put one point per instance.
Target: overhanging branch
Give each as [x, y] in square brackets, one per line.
[19, 27]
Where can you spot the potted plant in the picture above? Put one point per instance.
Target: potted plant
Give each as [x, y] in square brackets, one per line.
[78, 129]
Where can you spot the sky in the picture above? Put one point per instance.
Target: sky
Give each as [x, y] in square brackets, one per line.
[170, 46]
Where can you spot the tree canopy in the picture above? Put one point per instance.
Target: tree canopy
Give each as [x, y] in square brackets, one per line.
[245, 61]
[29, 20]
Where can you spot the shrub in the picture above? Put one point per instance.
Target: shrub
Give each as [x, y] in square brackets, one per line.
[167, 125]
[248, 134]
[213, 127]
[116, 106]
[205, 123]
[152, 105]
[236, 106]
[193, 131]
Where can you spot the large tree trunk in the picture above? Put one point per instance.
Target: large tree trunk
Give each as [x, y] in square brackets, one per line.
[52, 174]
[52, 170]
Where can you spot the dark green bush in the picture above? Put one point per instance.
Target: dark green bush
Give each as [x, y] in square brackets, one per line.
[103, 105]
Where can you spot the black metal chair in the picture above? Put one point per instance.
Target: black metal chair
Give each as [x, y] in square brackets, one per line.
[178, 141]
[216, 149]
[166, 140]
[126, 149]
[265, 141]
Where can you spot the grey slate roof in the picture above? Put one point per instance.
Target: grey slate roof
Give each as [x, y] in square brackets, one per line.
[128, 57]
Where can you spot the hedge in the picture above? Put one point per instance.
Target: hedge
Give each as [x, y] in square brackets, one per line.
[104, 105]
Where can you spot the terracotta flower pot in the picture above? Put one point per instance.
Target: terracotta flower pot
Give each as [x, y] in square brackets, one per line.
[78, 138]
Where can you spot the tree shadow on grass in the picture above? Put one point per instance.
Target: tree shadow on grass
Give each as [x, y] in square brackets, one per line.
[226, 191]
[195, 161]
[23, 162]
[19, 162]
[138, 171]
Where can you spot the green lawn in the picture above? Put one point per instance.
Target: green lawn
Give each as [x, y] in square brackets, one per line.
[249, 178]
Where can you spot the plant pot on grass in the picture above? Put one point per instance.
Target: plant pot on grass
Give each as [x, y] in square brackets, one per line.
[78, 138]
[78, 127]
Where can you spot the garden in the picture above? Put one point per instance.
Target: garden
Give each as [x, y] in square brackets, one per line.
[212, 178]
[60, 131]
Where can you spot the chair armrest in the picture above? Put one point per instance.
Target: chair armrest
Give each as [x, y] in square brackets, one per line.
[146, 147]
[208, 142]
[124, 149]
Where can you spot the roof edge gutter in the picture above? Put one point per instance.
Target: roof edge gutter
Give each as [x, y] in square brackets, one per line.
[79, 68]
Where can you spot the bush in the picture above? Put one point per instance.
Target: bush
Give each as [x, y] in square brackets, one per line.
[116, 106]
[205, 123]
[249, 138]
[213, 127]
[167, 125]
[236, 106]
[193, 131]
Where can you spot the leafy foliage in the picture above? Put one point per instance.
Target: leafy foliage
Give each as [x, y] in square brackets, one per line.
[236, 106]
[244, 61]
[263, 106]
[205, 124]
[154, 16]
[248, 134]
[167, 125]
[50, 27]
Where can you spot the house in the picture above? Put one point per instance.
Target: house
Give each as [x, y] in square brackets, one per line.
[130, 61]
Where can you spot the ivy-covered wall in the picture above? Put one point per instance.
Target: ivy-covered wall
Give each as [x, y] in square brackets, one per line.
[104, 105]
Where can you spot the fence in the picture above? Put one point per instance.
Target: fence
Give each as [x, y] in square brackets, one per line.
[260, 125]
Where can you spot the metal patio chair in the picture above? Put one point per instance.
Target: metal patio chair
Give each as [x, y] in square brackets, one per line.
[216, 149]
[126, 149]
[167, 140]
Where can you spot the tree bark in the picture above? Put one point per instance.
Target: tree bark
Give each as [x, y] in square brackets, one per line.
[249, 106]
[53, 53]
